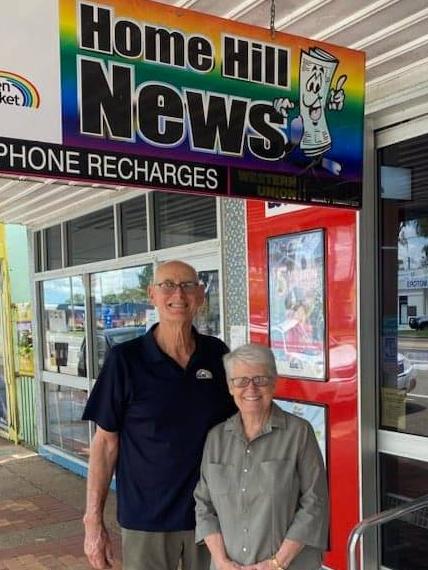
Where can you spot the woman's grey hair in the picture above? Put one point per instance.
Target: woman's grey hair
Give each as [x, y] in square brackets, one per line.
[251, 354]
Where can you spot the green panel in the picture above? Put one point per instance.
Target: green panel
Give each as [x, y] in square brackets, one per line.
[17, 255]
[27, 411]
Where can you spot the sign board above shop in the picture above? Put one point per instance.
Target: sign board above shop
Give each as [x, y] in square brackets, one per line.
[154, 96]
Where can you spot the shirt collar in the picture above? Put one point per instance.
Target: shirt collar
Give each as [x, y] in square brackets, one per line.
[152, 351]
[278, 418]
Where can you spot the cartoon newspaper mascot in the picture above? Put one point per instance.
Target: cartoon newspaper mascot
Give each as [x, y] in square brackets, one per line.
[310, 129]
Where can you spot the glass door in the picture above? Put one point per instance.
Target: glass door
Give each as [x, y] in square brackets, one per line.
[403, 417]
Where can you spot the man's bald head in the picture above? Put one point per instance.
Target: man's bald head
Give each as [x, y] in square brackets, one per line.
[175, 266]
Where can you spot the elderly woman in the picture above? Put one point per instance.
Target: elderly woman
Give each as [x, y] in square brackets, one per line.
[261, 502]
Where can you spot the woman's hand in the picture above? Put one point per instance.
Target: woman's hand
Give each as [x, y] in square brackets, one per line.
[263, 565]
[230, 565]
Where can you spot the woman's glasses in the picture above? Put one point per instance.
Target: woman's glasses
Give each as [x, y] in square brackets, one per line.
[244, 381]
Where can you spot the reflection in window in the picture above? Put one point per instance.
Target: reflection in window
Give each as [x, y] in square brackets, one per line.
[91, 237]
[182, 219]
[404, 543]
[121, 310]
[134, 225]
[207, 320]
[65, 427]
[53, 247]
[404, 296]
[64, 323]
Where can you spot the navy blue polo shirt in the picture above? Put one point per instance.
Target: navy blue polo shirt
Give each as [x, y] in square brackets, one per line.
[162, 413]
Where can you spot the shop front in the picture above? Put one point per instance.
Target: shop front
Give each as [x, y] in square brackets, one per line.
[294, 250]
[299, 254]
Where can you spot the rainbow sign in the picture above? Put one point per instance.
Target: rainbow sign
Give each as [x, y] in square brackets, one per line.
[169, 98]
[18, 91]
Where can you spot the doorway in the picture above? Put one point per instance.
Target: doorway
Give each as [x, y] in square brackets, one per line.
[403, 339]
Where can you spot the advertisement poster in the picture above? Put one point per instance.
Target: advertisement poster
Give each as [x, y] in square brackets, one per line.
[297, 304]
[24, 334]
[156, 96]
[57, 320]
[278, 209]
[315, 414]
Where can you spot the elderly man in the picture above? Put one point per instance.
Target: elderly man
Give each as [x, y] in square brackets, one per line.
[154, 402]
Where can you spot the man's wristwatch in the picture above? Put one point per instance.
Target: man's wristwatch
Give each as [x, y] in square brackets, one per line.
[276, 564]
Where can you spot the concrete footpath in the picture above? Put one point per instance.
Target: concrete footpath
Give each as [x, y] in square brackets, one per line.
[41, 508]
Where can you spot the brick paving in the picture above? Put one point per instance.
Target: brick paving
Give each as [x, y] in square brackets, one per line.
[18, 514]
[49, 555]
[41, 508]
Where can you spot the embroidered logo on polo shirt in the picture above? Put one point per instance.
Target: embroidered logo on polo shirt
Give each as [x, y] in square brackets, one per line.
[203, 374]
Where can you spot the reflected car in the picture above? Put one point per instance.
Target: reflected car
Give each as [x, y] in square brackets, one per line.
[406, 373]
[305, 361]
[419, 323]
[342, 358]
[106, 339]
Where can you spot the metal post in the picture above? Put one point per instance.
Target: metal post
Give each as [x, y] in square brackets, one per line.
[378, 519]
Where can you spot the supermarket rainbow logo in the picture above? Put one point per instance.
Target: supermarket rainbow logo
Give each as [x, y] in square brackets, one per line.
[17, 91]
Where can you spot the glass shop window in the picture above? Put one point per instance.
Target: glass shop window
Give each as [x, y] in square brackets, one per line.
[134, 226]
[404, 541]
[182, 219]
[121, 310]
[53, 247]
[63, 306]
[91, 237]
[403, 171]
[65, 428]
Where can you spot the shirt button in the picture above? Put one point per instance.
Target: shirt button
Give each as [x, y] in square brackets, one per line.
[248, 450]
[245, 529]
[245, 470]
[243, 490]
[244, 549]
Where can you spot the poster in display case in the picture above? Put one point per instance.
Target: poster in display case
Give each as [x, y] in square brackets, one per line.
[297, 324]
[315, 414]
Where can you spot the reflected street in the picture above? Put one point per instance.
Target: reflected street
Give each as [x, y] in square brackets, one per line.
[416, 350]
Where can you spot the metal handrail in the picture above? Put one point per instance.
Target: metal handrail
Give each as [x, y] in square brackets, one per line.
[378, 519]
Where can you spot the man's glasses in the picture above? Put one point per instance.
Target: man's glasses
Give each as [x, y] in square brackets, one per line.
[244, 381]
[169, 287]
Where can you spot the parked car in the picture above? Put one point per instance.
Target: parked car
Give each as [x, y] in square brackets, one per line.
[106, 339]
[406, 373]
[419, 323]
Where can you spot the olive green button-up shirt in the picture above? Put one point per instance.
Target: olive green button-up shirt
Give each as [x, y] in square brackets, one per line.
[258, 493]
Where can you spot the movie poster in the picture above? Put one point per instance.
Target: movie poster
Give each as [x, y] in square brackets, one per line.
[297, 304]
